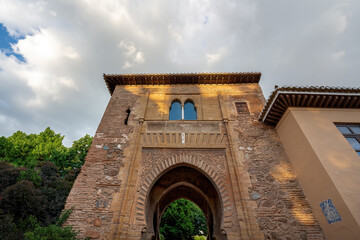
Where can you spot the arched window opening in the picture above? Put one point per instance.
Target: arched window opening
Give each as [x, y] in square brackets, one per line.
[189, 111]
[175, 111]
[183, 219]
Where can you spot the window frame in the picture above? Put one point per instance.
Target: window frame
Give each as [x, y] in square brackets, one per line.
[352, 134]
[182, 109]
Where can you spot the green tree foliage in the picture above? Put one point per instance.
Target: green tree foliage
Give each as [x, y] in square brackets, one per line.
[27, 151]
[6, 148]
[8, 228]
[79, 150]
[53, 231]
[36, 176]
[30, 175]
[199, 237]
[182, 220]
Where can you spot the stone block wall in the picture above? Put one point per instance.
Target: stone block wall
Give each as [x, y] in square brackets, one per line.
[98, 181]
[267, 199]
[282, 211]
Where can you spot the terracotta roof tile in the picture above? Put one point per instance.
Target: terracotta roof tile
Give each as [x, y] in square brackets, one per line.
[308, 96]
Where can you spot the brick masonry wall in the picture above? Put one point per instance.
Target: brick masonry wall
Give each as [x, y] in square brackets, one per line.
[282, 210]
[98, 181]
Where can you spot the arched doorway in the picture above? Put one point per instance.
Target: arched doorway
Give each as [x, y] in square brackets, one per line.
[183, 181]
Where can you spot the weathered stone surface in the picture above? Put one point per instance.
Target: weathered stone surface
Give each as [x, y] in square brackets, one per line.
[94, 188]
[97, 222]
[92, 234]
[273, 177]
[255, 196]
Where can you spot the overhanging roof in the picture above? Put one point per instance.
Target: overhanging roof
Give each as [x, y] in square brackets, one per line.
[179, 78]
[318, 97]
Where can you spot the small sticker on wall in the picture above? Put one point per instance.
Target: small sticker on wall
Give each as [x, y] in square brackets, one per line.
[330, 212]
[182, 137]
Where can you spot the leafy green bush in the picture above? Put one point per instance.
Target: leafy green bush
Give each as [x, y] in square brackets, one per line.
[52, 232]
[199, 237]
[27, 224]
[8, 228]
[182, 219]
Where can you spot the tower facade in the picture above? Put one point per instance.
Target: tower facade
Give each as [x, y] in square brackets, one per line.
[193, 136]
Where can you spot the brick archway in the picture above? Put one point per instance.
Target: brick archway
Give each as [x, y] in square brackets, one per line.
[183, 181]
[174, 161]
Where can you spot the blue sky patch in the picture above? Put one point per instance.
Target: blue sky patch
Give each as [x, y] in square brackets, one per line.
[6, 40]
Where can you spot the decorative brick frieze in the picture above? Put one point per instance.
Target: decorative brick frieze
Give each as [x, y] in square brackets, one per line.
[183, 126]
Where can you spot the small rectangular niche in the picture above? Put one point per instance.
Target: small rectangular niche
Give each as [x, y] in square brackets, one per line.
[242, 107]
[127, 116]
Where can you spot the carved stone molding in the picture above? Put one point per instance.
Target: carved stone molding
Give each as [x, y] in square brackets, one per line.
[191, 126]
[192, 139]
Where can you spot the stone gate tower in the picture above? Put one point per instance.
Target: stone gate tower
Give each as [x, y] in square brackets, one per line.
[213, 151]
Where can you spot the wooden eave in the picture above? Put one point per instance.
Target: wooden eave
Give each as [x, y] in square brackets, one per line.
[316, 97]
[179, 78]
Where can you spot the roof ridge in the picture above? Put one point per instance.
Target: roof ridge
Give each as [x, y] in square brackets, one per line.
[112, 80]
[178, 74]
[322, 91]
[315, 88]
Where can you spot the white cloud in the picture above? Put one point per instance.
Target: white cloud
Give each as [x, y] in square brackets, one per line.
[41, 46]
[215, 58]
[139, 57]
[70, 53]
[133, 56]
[338, 55]
[23, 17]
[67, 46]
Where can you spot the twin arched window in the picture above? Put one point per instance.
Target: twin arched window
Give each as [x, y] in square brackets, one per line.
[179, 112]
[175, 111]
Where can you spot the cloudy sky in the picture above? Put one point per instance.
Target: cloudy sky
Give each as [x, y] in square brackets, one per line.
[53, 53]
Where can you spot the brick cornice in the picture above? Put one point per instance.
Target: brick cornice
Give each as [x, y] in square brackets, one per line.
[112, 80]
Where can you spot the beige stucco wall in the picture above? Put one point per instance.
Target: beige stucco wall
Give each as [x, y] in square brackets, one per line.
[326, 164]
